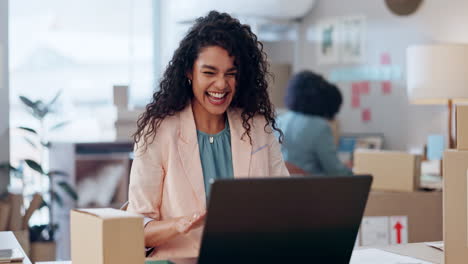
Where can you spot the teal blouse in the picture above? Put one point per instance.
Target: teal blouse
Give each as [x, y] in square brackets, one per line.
[215, 156]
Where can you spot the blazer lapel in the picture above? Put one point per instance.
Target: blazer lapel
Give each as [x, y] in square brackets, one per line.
[190, 155]
[241, 148]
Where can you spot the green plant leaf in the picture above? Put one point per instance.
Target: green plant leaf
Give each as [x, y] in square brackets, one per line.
[46, 144]
[34, 165]
[41, 109]
[43, 204]
[59, 125]
[52, 102]
[7, 165]
[30, 142]
[28, 129]
[69, 190]
[27, 102]
[56, 197]
[57, 172]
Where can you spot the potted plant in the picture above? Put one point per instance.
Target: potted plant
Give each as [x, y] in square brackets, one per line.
[36, 178]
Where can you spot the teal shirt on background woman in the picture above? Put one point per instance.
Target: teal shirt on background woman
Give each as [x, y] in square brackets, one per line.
[308, 143]
[215, 156]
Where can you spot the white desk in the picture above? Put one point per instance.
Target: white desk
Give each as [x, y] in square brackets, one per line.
[415, 250]
[8, 240]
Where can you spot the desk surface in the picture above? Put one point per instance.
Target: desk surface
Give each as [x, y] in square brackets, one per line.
[8, 240]
[415, 250]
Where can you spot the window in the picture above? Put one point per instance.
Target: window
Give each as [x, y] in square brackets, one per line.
[82, 48]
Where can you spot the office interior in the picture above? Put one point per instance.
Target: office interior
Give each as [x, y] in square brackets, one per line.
[76, 75]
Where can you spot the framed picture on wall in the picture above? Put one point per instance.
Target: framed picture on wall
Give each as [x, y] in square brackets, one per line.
[327, 38]
[352, 39]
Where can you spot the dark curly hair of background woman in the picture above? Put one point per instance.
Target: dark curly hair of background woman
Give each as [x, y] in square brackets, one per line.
[215, 29]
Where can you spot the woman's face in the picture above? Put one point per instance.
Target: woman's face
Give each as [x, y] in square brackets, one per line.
[213, 80]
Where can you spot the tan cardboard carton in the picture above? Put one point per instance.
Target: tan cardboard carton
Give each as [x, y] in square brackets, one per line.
[462, 127]
[121, 96]
[16, 218]
[423, 211]
[4, 215]
[106, 236]
[455, 203]
[392, 170]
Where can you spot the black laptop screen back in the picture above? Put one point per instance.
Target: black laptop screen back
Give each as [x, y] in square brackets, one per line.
[283, 220]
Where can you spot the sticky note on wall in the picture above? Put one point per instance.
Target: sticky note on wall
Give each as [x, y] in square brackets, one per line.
[386, 87]
[364, 88]
[355, 101]
[366, 115]
[385, 59]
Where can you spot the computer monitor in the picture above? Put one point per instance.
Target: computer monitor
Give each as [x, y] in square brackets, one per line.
[284, 220]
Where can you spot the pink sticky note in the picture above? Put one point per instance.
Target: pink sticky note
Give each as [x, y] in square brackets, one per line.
[364, 88]
[355, 101]
[355, 88]
[366, 115]
[385, 59]
[386, 87]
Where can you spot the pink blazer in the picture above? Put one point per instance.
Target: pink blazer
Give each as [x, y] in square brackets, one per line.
[166, 181]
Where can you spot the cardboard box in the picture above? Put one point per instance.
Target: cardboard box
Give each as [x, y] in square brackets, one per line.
[278, 84]
[106, 236]
[455, 166]
[23, 238]
[420, 212]
[392, 171]
[121, 96]
[16, 218]
[462, 127]
[4, 215]
[43, 251]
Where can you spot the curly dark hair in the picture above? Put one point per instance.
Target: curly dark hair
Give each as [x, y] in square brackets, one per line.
[215, 29]
[309, 93]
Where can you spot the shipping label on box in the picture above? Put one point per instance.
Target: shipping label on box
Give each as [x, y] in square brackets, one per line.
[398, 230]
[383, 230]
[375, 231]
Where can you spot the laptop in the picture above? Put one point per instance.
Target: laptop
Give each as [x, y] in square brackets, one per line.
[284, 220]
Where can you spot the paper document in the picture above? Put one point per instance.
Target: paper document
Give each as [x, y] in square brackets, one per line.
[11, 255]
[438, 245]
[372, 256]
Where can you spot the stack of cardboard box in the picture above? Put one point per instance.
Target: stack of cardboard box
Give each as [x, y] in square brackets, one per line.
[397, 212]
[455, 166]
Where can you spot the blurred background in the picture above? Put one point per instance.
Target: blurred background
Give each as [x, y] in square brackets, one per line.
[75, 75]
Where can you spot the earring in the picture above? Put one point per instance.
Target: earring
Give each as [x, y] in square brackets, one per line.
[189, 81]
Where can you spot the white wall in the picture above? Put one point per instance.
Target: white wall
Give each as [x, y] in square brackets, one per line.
[4, 104]
[404, 126]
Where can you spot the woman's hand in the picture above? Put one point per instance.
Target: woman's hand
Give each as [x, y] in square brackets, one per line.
[187, 223]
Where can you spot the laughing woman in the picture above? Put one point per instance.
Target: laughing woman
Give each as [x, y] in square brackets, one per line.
[211, 118]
